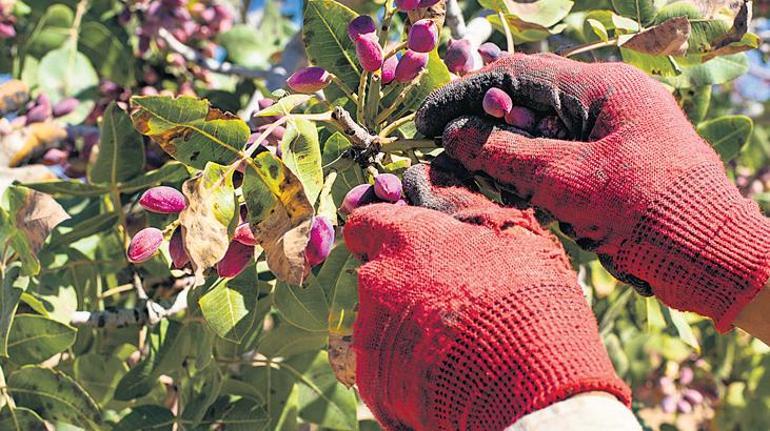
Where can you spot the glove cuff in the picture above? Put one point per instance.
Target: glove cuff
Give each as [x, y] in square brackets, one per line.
[702, 247]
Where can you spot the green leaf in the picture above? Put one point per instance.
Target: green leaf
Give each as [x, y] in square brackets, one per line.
[190, 130]
[51, 31]
[716, 71]
[210, 216]
[276, 387]
[695, 101]
[322, 399]
[339, 277]
[14, 284]
[170, 172]
[245, 415]
[727, 134]
[284, 106]
[112, 57]
[34, 338]
[68, 232]
[523, 31]
[544, 13]
[327, 44]
[657, 65]
[598, 29]
[65, 72]
[641, 11]
[99, 375]
[683, 328]
[141, 379]
[68, 188]
[147, 417]
[287, 340]
[121, 150]
[302, 306]
[326, 206]
[280, 215]
[54, 396]
[252, 48]
[301, 153]
[20, 419]
[206, 387]
[230, 309]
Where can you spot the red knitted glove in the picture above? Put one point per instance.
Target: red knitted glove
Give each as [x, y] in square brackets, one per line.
[639, 187]
[467, 323]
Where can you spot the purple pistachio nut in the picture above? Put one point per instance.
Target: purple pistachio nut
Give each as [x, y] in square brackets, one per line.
[521, 117]
[423, 36]
[684, 406]
[427, 3]
[686, 375]
[55, 156]
[389, 70]
[360, 26]
[552, 127]
[497, 102]
[163, 200]
[387, 187]
[359, 195]
[410, 65]
[489, 52]
[693, 396]
[459, 57]
[369, 52]
[309, 79]
[6, 30]
[236, 258]
[265, 103]
[321, 240]
[144, 244]
[39, 113]
[65, 106]
[179, 257]
[244, 235]
[668, 404]
[407, 5]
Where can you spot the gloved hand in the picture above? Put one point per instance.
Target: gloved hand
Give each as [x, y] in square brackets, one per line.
[638, 186]
[470, 318]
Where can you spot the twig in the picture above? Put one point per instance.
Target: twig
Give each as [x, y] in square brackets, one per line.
[508, 35]
[359, 137]
[587, 47]
[148, 312]
[408, 144]
[397, 103]
[394, 50]
[223, 67]
[392, 127]
[362, 96]
[455, 20]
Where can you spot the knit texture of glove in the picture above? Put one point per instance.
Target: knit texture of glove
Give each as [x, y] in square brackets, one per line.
[638, 185]
[467, 322]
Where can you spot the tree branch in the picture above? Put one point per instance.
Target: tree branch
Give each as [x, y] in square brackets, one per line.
[148, 312]
[455, 20]
[224, 67]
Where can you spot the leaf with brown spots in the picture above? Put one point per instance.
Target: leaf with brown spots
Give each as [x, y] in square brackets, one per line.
[209, 216]
[190, 130]
[667, 38]
[280, 215]
[342, 358]
[33, 217]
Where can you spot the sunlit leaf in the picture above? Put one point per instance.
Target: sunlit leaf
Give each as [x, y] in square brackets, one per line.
[190, 130]
[301, 153]
[230, 309]
[280, 215]
[302, 306]
[209, 216]
[13, 285]
[65, 72]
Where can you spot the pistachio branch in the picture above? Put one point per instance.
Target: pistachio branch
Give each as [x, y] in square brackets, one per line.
[358, 135]
[455, 20]
[223, 67]
[148, 312]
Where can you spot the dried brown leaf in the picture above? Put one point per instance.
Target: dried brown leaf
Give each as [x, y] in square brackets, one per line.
[13, 95]
[36, 217]
[342, 358]
[667, 38]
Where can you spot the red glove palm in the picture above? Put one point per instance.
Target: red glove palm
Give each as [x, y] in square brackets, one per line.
[468, 322]
[640, 187]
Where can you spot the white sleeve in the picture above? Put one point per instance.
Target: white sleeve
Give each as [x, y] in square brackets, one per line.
[585, 412]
